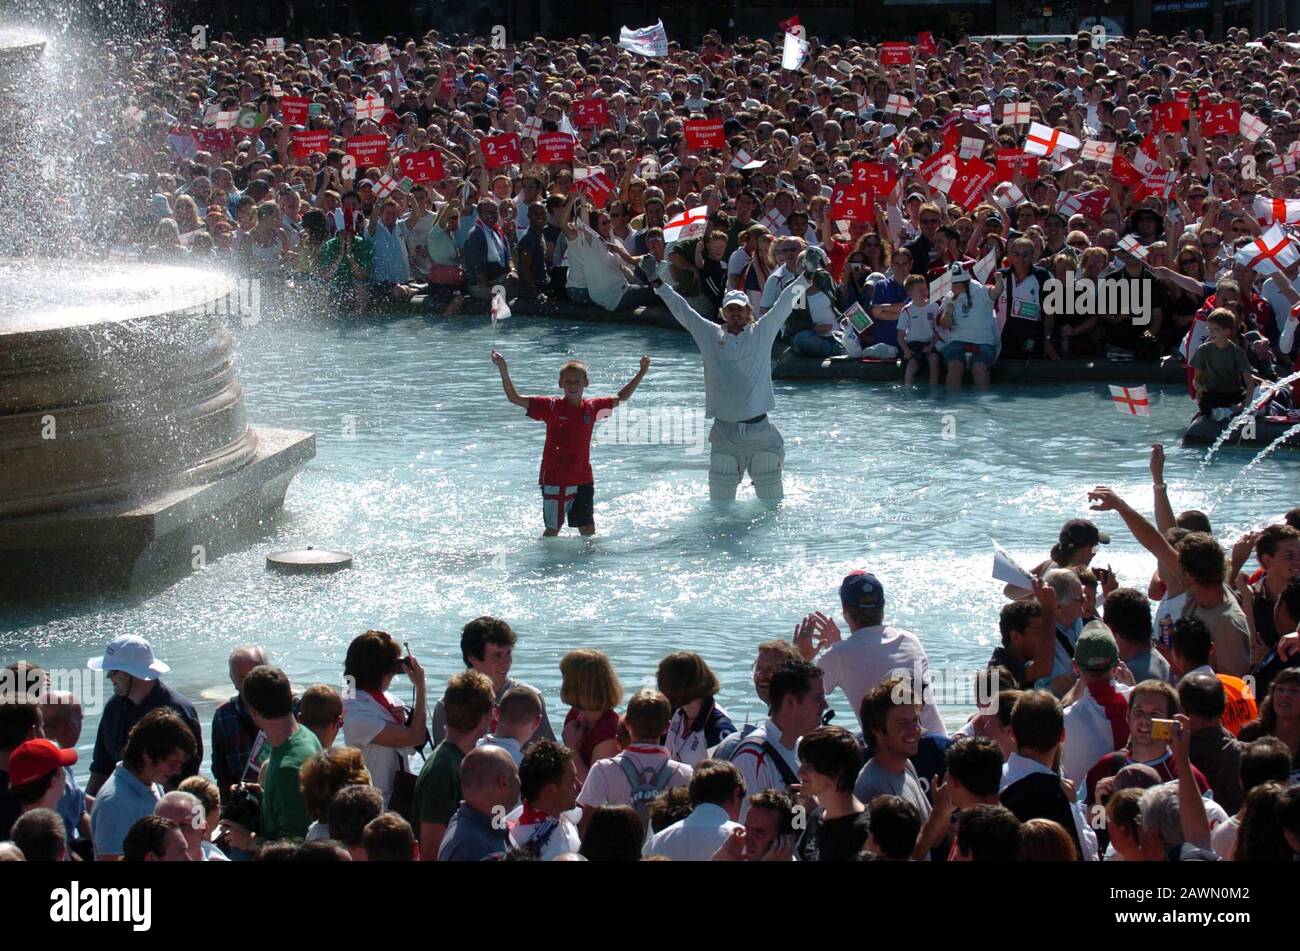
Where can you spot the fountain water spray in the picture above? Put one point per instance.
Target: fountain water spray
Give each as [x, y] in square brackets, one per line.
[1239, 421]
[1264, 454]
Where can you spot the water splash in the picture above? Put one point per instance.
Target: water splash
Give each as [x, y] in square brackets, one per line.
[1239, 421]
[1264, 454]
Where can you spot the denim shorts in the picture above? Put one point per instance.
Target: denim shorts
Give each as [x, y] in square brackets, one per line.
[982, 353]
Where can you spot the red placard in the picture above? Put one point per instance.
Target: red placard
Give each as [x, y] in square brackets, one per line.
[213, 140]
[590, 112]
[877, 176]
[851, 203]
[447, 85]
[501, 150]
[1221, 118]
[293, 109]
[1013, 162]
[421, 166]
[931, 165]
[895, 54]
[597, 187]
[1169, 116]
[304, 143]
[973, 176]
[554, 148]
[368, 150]
[925, 44]
[1122, 171]
[704, 134]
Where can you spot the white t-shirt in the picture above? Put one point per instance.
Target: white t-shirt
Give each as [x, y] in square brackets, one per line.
[363, 720]
[918, 322]
[607, 784]
[563, 839]
[695, 838]
[756, 766]
[686, 745]
[862, 660]
[602, 273]
[1088, 736]
[1224, 838]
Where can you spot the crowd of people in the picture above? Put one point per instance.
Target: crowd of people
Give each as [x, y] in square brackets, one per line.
[939, 212]
[1156, 720]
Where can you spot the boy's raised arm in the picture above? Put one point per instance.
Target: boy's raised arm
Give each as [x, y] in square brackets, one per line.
[625, 394]
[511, 393]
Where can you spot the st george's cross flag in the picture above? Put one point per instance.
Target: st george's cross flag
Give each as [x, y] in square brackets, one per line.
[690, 224]
[1130, 400]
[1044, 140]
[899, 105]
[1094, 151]
[1271, 252]
[1129, 244]
[1016, 113]
[370, 108]
[1251, 127]
[1267, 210]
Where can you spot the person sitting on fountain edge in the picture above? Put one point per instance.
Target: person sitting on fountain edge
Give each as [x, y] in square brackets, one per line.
[1223, 382]
[568, 487]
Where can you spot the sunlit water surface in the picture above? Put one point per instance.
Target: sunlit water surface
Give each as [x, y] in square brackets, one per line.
[428, 475]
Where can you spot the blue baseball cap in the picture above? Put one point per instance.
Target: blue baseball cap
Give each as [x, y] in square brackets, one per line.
[862, 589]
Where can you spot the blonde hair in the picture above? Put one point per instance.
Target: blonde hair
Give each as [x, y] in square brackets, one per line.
[589, 681]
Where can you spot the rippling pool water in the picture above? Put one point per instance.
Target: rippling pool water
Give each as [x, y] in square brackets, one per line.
[428, 475]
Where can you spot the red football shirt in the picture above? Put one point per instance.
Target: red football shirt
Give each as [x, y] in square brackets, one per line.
[566, 457]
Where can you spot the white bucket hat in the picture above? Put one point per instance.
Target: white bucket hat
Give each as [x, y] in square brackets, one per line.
[131, 655]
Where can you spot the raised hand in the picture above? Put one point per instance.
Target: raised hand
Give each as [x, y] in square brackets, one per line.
[498, 359]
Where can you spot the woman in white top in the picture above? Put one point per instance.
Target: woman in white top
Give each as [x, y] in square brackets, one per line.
[596, 272]
[374, 720]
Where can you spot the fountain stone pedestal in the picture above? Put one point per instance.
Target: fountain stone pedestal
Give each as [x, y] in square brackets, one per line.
[126, 460]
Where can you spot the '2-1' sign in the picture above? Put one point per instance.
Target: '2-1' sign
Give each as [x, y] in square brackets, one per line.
[501, 150]
[851, 203]
[422, 166]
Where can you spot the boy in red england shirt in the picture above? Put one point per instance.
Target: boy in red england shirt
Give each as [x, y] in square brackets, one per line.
[566, 479]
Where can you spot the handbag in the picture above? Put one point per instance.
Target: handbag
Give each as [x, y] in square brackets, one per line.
[451, 274]
[402, 800]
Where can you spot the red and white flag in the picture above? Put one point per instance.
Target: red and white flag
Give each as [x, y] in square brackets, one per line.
[1094, 151]
[983, 268]
[1044, 140]
[899, 105]
[1277, 209]
[1271, 252]
[970, 147]
[1145, 162]
[1006, 194]
[386, 185]
[379, 53]
[532, 127]
[369, 108]
[774, 221]
[745, 162]
[1131, 400]
[1129, 244]
[275, 44]
[500, 310]
[1016, 113]
[1251, 127]
[690, 224]
[1282, 165]
[1090, 203]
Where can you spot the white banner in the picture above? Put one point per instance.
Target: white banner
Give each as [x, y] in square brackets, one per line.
[649, 41]
[794, 51]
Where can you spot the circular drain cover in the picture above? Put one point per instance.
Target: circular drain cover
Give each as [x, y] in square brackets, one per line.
[308, 560]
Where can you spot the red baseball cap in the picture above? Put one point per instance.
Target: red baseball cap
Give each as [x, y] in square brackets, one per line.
[36, 758]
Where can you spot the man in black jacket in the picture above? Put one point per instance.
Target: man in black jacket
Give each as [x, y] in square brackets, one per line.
[1031, 787]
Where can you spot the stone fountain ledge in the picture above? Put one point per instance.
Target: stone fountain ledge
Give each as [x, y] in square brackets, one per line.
[125, 455]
